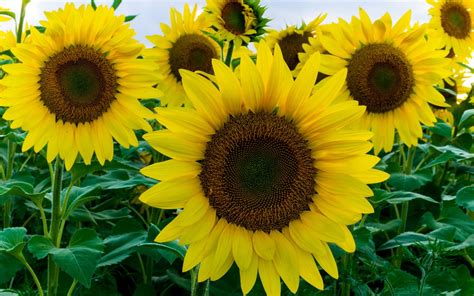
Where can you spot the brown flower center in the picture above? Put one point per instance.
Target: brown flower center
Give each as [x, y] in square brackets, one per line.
[192, 52]
[291, 45]
[258, 172]
[234, 18]
[455, 20]
[78, 84]
[380, 77]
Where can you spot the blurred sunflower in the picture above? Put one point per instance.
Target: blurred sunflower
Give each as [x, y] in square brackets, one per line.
[77, 86]
[391, 71]
[265, 170]
[452, 26]
[183, 46]
[239, 21]
[292, 39]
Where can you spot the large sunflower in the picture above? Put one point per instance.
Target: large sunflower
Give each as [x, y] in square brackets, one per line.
[77, 85]
[240, 21]
[452, 26]
[183, 46]
[265, 170]
[292, 39]
[391, 71]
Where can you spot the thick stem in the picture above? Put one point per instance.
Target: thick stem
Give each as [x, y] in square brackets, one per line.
[194, 281]
[7, 208]
[53, 270]
[346, 285]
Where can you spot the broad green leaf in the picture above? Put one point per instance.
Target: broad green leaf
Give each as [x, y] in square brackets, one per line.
[465, 197]
[467, 119]
[78, 197]
[119, 247]
[464, 279]
[397, 197]
[169, 250]
[460, 154]
[440, 281]
[20, 188]
[40, 246]
[468, 243]
[409, 182]
[442, 129]
[401, 284]
[79, 259]
[11, 247]
[12, 240]
[440, 159]
[80, 170]
[406, 239]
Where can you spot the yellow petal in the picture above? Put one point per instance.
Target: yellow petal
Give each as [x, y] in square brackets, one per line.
[194, 210]
[252, 84]
[194, 255]
[286, 261]
[175, 146]
[326, 260]
[223, 248]
[242, 247]
[229, 87]
[263, 245]
[249, 276]
[171, 194]
[200, 229]
[269, 276]
[324, 228]
[348, 244]
[171, 169]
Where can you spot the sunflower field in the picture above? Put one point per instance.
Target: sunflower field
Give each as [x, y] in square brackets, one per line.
[232, 158]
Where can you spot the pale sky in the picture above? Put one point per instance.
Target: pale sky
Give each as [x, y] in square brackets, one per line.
[152, 12]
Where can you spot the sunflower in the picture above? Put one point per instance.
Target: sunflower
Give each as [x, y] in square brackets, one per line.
[391, 71]
[292, 39]
[183, 45]
[452, 26]
[77, 86]
[239, 21]
[265, 170]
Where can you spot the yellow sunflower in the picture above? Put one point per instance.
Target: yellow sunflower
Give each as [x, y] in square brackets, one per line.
[77, 85]
[391, 71]
[452, 26]
[183, 45]
[292, 39]
[239, 21]
[266, 172]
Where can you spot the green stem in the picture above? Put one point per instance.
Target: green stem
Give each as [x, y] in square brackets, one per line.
[142, 267]
[22, 259]
[346, 285]
[71, 289]
[228, 58]
[53, 270]
[19, 31]
[44, 220]
[7, 208]
[194, 281]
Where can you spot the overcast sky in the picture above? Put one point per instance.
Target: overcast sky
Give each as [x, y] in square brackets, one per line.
[152, 12]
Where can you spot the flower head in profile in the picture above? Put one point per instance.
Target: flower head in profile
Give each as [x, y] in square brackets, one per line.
[77, 85]
[391, 70]
[183, 45]
[266, 172]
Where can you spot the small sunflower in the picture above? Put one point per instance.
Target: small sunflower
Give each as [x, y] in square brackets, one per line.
[266, 172]
[77, 85]
[292, 39]
[240, 21]
[452, 26]
[183, 45]
[391, 71]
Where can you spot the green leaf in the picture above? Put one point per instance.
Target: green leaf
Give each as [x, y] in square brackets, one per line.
[465, 197]
[440, 159]
[409, 182]
[20, 188]
[116, 4]
[93, 4]
[406, 239]
[397, 197]
[442, 129]
[467, 119]
[12, 240]
[40, 246]
[460, 154]
[78, 197]
[11, 247]
[119, 247]
[79, 259]
[468, 243]
[401, 284]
